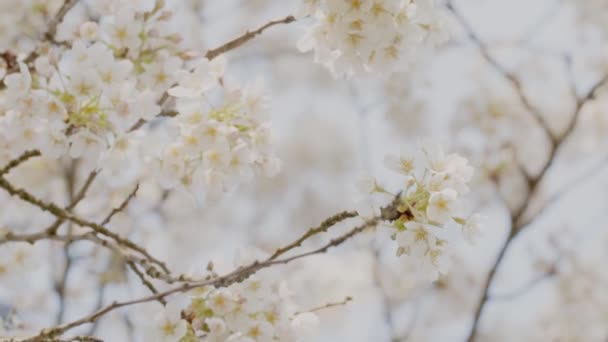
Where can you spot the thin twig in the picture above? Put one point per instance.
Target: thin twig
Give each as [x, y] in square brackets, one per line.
[572, 185]
[143, 279]
[52, 229]
[329, 305]
[524, 289]
[121, 207]
[322, 228]
[52, 26]
[245, 37]
[18, 161]
[515, 82]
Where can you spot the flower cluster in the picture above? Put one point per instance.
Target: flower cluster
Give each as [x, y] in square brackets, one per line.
[84, 101]
[64, 109]
[254, 310]
[354, 36]
[22, 22]
[81, 100]
[222, 132]
[140, 31]
[428, 205]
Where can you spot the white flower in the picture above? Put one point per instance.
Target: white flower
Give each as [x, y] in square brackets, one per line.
[19, 83]
[89, 30]
[441, 205]
[204, 77]
[401, 164]
[416, 239]
[122, 30]
[258, 309]
[161, 73]
[449, 171]
[222, 301]
[168, 324]
[216, 326]
[472, 227]
[420, 243]
[85, 86]
[43, 66]
[352, 37]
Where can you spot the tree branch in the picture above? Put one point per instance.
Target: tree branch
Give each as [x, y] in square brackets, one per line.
[517, 218]
[235, 276]
[322, 228]
[68, 216]
[245, 37]
[52, 26]
[121, 207]
[18, 161]
[517, 223]
[515, 82]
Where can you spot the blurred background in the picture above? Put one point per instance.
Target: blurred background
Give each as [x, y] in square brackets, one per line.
[329, 133]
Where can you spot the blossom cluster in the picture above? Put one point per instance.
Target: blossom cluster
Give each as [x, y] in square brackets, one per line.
[381, 36]
[255, 310]
[223, 133]
[21, 22]
[85, 101]
[428, 206]
[81, 100]
[64, 110]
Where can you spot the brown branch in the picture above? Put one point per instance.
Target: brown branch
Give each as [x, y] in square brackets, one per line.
[18, 161]
[33, 238]
[238, 275]
[50, 233]
[322, 228]
[52, 339]
[515, 82]
[73, 203]
[572, 185]
[144, 281]
[121, 207]
[49, 35]
[522, 290]
[68, 216]
[91, 237]
[517, 217]
[52, 229]
[245, 37]
[235, 276]
[343, 302]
